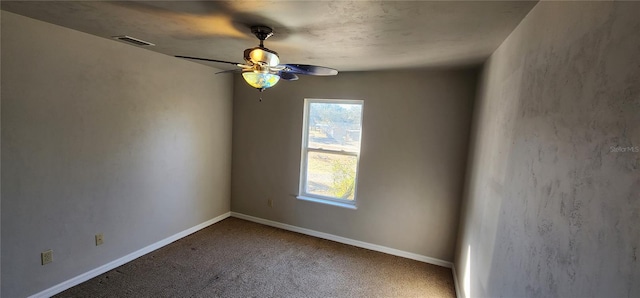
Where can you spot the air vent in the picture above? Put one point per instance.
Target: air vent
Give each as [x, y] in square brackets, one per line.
[134, 41]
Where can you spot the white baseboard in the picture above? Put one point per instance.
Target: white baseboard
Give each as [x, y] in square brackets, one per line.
[456, 283]
[380, 248]
[128, 258]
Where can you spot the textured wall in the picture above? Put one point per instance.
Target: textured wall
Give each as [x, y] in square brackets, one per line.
[102, 137]
[552, 206]
[414, 145]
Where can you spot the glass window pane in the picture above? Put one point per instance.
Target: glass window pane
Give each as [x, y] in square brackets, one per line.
[331, 175]
[334, 126]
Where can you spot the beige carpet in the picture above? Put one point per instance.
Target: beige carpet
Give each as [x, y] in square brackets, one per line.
[238, 258]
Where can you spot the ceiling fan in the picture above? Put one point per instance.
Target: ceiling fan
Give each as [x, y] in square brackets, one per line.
[262, 68]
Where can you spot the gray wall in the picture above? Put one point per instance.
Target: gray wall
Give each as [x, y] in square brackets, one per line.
[550, 209]
[102, 137]
[414, 147]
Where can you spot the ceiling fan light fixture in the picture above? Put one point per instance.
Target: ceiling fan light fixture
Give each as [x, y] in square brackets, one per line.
[260, 80]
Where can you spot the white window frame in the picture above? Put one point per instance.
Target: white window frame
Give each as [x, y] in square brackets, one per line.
[302, 193]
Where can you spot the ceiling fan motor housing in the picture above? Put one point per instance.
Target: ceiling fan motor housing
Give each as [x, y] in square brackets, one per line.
[261, 56]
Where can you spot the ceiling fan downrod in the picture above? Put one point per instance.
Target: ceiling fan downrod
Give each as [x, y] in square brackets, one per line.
[262, 33]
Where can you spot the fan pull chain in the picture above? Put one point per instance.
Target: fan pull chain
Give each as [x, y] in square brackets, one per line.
[261, 89]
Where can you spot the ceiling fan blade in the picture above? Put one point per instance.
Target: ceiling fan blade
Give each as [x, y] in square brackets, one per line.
[210, 60]
[313, 70]
[288, 76]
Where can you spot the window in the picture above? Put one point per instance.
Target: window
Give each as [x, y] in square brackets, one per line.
[330, 151]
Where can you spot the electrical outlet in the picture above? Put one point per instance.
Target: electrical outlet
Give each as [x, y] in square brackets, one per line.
[270, 203]
[99, 239]
[46, 257]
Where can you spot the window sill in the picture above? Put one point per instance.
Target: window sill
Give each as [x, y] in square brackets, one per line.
[328, 202]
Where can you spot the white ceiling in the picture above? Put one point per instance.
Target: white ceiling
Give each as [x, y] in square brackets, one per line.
[346, 35]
